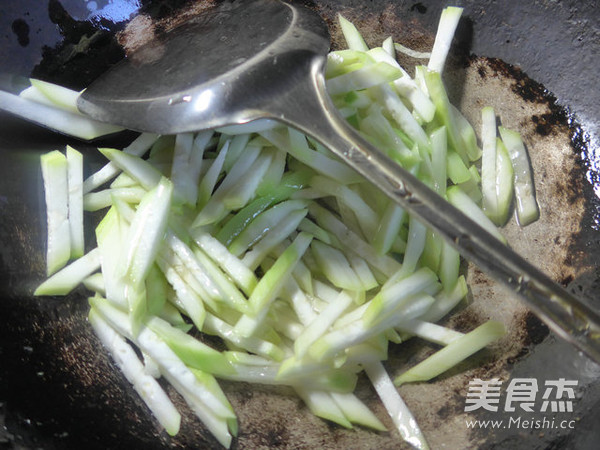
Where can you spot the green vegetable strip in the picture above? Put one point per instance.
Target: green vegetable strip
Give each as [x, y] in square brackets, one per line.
[406, 87]
[351, 241]
[322, 405]
[297, 146]
[67, 278]
[253, 258]
[389, 227]
[209, 181]
[237, 147]
[157, 288]
[504, 181]
[94, 283]
[449, 266]
[415, 245]
[387, 97]
[365, 215]
[488, 163]
[453, 353]
[245, 188]
[262, 223]
[238, 271]
[363, 78]
[527, 208]
[290, 183]
[194, 273]
[56, 190]
[208, 406]
[335, 266]
[60, 96]
[467, 133]
[192, 352]
[321, 323]
[393, 296]
[215, 209]
[446, 300]
[214, 325]
[430, 331]
[457, 170]
[356, 411]
[439, 149]
[137, 148]
[191, 303]
[228, 292]
[111, 236]
[136, 167]
[275, 278]
[353, 38]
[95, 201]
[439, 96]
[357, 332]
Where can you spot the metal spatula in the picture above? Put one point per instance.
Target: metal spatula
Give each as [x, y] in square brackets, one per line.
[264, 59]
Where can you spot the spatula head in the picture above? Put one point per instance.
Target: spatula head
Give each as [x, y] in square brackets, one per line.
[221, 67]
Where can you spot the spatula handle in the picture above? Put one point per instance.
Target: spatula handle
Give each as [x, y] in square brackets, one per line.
[571, 318]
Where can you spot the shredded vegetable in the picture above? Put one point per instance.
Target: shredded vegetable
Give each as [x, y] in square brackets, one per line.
[260, 236]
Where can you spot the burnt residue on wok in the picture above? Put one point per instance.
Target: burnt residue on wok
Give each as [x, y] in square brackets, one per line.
[59, 390]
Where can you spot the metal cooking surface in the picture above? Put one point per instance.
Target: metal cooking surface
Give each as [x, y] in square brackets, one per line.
[59, 390]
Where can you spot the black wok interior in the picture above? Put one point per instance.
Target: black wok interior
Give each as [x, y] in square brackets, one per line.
[46, 399]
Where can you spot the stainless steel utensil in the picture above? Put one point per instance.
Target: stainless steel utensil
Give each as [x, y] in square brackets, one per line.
[264, 59]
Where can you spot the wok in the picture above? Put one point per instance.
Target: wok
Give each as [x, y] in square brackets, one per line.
[534, 62]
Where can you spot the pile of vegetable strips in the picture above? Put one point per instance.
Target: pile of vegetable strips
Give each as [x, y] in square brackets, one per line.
[262, 237]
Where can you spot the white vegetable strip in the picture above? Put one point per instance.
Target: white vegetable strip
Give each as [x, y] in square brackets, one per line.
[352, 241]
[443, 39]
[55, 118]
[453, 353]
[395, 406]
[95, 201]
[56, 191]
[145, 385]
[75, 201]
[322, 405]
